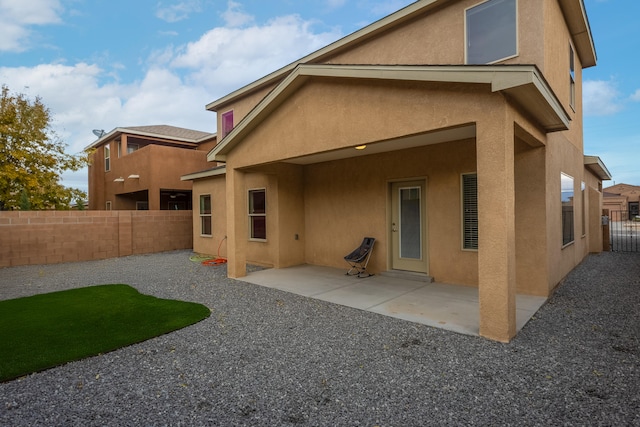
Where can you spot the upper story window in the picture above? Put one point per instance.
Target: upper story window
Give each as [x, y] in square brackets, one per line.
[132, 147]
[227, 123]
[572, 78]
[491, 31]
[107, 158]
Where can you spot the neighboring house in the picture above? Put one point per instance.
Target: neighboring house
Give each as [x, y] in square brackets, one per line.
[451, 131]
[623, 201]
[140, 167]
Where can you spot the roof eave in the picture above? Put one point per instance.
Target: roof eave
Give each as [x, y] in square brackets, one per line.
[217, 171]
[597, 166]
[578, 22]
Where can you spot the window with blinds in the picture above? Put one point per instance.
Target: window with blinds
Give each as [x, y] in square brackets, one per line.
[470, 211]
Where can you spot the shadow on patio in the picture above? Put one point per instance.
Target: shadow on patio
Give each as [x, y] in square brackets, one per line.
[451, 307]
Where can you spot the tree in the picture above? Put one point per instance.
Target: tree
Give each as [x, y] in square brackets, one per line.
[32, 157]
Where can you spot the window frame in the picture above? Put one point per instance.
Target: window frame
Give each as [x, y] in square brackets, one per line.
[206, 216]
[107, 205]
[469, 230]
[583, 190]
[467, 45]
[107, 157]
[225, 127]
[568, 234]
[256, 215]
[572, 78]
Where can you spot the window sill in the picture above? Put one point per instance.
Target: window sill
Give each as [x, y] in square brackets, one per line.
[568, 244]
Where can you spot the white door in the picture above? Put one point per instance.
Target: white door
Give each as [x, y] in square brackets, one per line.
[408, 226]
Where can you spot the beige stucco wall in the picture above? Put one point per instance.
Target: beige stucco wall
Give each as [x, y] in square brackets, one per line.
[348, 200]
[593, 210]
[210, 245]
[328, 114]
[562, 156]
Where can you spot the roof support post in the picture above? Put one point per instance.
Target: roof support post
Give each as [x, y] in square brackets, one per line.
[237, 234]
[496, 225]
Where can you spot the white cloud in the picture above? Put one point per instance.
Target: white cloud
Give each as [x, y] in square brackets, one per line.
[600, 98]
[178, 11]
[18, 16]
[335, 4]
[636, 96]
[174, 90]
[235, 17]
[225, 59]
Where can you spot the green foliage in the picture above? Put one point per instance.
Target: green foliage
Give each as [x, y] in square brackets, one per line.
[46, 330]
[32, 157]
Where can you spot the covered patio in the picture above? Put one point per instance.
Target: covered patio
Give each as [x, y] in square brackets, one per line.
[444, 306]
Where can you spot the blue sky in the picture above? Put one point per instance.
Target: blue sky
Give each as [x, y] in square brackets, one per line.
[101, 64]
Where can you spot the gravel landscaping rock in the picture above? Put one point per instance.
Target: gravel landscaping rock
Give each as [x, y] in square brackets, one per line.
[270, 358]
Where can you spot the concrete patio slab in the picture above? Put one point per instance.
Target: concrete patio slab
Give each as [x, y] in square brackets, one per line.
[450, 307]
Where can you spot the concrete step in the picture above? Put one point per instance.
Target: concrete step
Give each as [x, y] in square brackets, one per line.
[407, 275]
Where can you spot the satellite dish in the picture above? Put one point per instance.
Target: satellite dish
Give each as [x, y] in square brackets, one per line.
[98, 132]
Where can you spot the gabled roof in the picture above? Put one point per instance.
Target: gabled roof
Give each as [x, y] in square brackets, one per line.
[522, 83]
[157, 131]
[574, 12]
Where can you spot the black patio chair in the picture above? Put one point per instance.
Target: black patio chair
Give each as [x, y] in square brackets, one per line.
[359, 258]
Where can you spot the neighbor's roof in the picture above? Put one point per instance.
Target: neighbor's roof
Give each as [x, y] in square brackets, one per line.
[574, 11]
[157, 131]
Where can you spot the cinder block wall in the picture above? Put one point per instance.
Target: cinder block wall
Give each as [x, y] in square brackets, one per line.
[50, 237]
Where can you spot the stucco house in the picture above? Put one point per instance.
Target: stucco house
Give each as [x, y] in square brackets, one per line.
[451, 131]
[139, 168]
[623, 201]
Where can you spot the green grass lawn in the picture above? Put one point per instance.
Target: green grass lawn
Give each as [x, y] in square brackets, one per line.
[43, 331]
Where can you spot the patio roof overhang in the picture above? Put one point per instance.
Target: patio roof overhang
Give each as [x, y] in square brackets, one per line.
[522, 84]
[597, 166]
[217, 171]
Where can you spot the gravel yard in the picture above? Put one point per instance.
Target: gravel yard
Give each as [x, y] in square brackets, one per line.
[270, 358]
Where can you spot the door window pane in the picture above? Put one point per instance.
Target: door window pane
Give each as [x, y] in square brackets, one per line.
[410, 224]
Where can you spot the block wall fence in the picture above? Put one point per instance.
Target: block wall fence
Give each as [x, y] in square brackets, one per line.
[50, 237]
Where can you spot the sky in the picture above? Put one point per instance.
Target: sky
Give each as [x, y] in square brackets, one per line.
[103, 64]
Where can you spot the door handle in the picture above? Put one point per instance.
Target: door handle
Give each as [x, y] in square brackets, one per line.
[394, 228]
